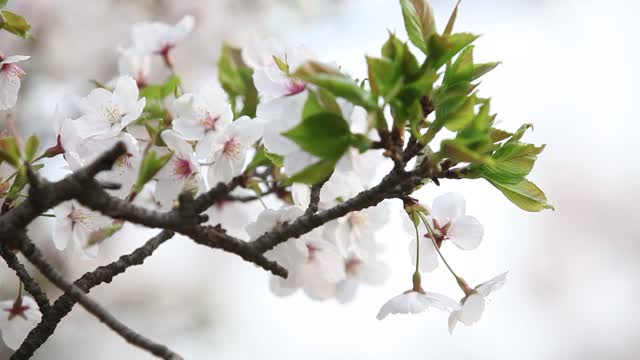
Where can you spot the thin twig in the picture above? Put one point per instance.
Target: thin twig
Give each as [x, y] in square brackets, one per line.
[29, 283]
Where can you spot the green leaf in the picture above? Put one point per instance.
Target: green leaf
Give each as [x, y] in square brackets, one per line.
[336, 83]
[418, 21]
[150, 166]
[458, 152]
[9, 151]
[325, 135]
[14, 24]
[525, 194]
[313, 174]
[3, 3]
[31, 148]
[452, 19]
[480, 70]
[159, 92]
[461, 71]
[320, 102]
[236, 79]
[18, 184]
[442, 48]
[282, 65]
[263, 158]
[512, 162]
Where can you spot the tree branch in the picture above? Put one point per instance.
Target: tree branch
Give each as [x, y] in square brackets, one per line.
[32, 253]
[29, 283]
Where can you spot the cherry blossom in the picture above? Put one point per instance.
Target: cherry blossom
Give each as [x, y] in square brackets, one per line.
[74, 221]
[314, 264]
[134, 64]
[10, 74]
[448, 221]
[472, 305]
[358, 271]
[181, 173]
[355, 232]
[17, 318]
[159, 38]
[226, 151]
[207, 111]
[413, 302]
[79, 153]
[106, 113]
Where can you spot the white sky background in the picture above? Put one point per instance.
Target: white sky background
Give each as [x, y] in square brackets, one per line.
[570, 67]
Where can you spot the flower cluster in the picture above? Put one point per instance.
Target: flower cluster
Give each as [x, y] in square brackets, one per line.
[330, 158]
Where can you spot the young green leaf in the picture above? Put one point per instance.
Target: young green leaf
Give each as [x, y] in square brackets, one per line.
[313, 174]
[325, 135]
[525, 195]
[14, 24]
[150, 166]
[418, 21]
[452, 19]
[9, 151]
[161, 91]
[31, 148]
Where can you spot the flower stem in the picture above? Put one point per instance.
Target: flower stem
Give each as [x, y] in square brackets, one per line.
[426, 224]
[417, 250]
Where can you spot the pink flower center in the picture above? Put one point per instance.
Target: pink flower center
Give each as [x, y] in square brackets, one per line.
[440, 232]
[312, 252]
[352, 265]
[77, 215]
[13, 70]
[17, 310]
[295, 87]
[232, 148]
[183, 168]
[209, 121]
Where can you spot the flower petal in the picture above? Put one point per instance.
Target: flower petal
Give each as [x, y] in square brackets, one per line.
[448, 207]
[492, 285]
[466, 232]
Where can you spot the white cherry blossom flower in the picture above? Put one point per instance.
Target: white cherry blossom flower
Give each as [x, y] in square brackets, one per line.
[134, 64]
[10, 74]
[159, 38]
[79, 153]
[356, 231]
[106, 113]
[181, 173]
[360, 271]
[17, 318]
[315, 265]
[76, 222]
[449, 222]
[226, 151]
[413, 302]
[472, 305]
[207, 111]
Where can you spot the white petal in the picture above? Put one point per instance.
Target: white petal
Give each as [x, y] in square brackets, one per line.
[428, 254]
[454, 317]
[492, 285]
[448, 207]
[248, 130]
[466, 232]
[177, 144]
[125, 95]
[346, 290]
[62, 232]
[408, 303]
[9, 87]
[14, 59]
[472, 309]
[14, 331]
[442, 302]
[281, 287]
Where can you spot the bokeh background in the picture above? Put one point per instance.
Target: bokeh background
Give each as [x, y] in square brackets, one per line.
[569, 66]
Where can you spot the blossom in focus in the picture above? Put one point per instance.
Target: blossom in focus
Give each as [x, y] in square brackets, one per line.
[226, 151]
[202, 113]
[106, 113]
[448, 220]
[181, 173]
[472, 305]
[159, 38]
[10, 74]
[17, 318]
[413, 302]
[74, 221]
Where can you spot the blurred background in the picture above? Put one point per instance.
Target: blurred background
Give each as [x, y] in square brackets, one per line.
[569, 66]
